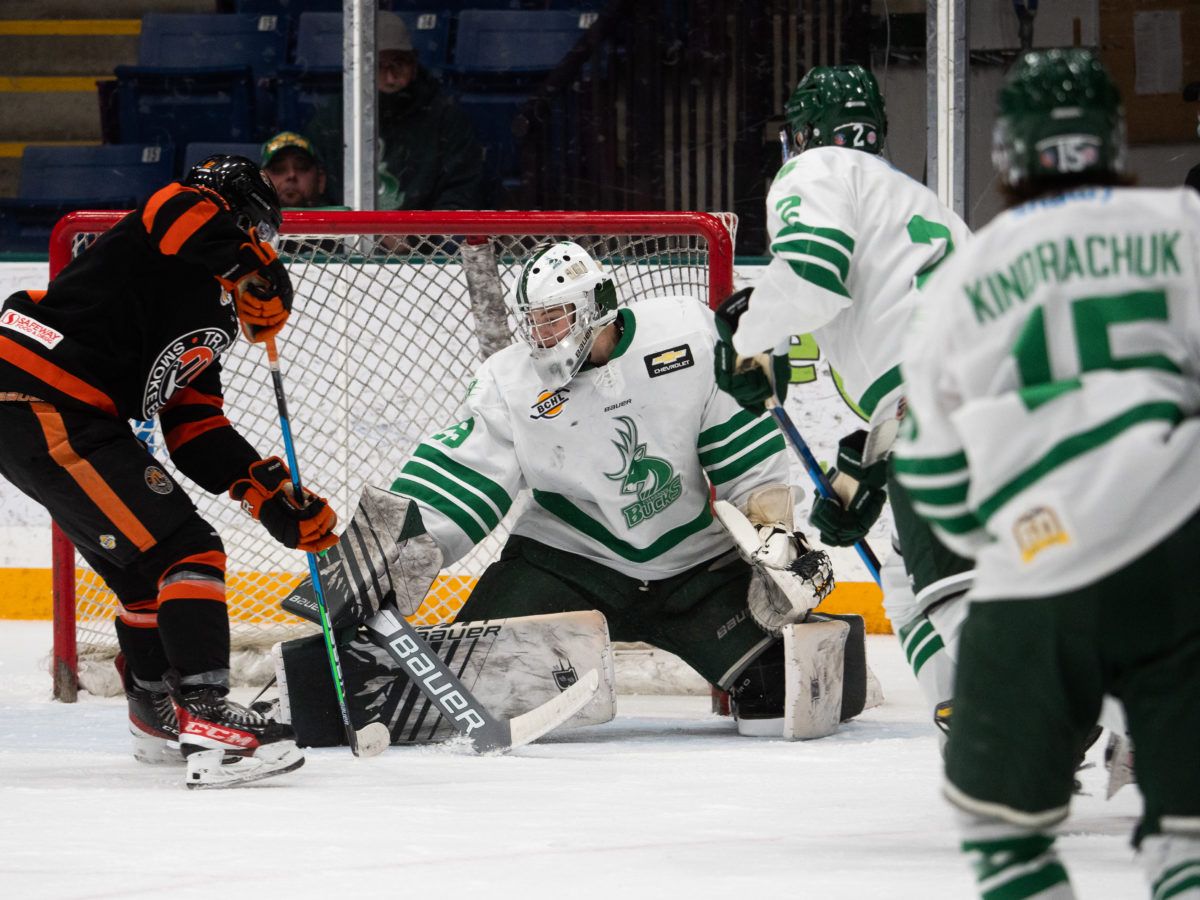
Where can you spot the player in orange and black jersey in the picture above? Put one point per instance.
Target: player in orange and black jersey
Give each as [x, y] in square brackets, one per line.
[134, 327]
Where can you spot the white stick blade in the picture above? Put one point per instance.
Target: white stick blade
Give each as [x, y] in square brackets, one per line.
[372, 739]
[537, 722]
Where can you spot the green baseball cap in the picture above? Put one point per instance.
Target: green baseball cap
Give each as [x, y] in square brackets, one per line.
[287, 140]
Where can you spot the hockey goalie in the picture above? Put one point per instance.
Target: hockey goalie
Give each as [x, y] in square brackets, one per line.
[612, 421]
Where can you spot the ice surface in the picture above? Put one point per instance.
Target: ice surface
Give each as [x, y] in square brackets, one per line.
[666, 801]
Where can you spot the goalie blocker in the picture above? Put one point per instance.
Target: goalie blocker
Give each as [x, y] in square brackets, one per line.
[511, 666]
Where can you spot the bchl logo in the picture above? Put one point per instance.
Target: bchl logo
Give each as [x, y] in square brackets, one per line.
[549, 404]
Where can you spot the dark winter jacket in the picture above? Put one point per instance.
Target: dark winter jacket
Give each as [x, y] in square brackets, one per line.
[430, 158]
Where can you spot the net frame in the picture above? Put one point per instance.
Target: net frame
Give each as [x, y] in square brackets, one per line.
[647, 252]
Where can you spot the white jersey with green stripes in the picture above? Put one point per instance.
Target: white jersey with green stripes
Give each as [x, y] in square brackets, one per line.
[618, 462]
[1053, 383]
[851, 237]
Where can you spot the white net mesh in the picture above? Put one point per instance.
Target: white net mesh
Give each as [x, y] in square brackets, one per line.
[387, 331]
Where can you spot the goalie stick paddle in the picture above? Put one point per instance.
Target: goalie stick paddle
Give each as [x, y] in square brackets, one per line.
[460, 707]
[374, 737]
[817, 474]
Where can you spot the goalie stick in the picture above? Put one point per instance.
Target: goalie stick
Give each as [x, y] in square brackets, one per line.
[373, 738]
[451, 698]
[817, 474]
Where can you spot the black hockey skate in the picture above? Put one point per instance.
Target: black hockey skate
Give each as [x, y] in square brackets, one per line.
[152, 722]
[226, 744]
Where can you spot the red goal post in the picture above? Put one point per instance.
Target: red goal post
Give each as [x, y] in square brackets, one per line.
[394, 311]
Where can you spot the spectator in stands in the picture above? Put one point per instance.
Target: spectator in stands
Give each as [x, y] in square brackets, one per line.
[428, 155]
[292, 163]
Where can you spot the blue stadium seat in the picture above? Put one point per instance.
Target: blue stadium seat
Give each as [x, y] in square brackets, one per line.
[492, 116]
[319, 39]
[57, 180]
[315, 74]
[285, 7]
[201, 77]
[185, 40]
[193, 153]
[493, 42]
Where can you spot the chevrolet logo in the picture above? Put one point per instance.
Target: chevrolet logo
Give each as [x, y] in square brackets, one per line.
[669, 356]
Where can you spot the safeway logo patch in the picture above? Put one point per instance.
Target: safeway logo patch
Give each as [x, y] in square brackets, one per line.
[31, 328]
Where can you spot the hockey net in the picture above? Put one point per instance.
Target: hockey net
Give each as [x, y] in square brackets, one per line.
[393, 314]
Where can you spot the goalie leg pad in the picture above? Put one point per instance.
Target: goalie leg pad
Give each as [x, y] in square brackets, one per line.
[383, 557]
[814, 656]
[855, 677]
[511, 665]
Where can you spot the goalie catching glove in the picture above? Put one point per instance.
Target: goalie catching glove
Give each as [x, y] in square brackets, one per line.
[790, 578]
[750, 380]
[261, 289]
[860, 492]
[266, 494]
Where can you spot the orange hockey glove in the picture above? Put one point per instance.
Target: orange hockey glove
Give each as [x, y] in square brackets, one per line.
[266, 494]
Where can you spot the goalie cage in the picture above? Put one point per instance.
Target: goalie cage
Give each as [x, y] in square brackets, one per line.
[394, 312]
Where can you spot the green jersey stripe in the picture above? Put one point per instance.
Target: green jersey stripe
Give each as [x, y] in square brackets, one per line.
[1077, 445]
[880, 388]
[835, 256]
[832, 234]
[444, 505]
[416, 469]
[925, 652]
[963, 524]
[930, 465]
[718, 433]
[764, 451]
[560, 506]
[951, 495]
[477, 480]
[738, 443]
[820, 276]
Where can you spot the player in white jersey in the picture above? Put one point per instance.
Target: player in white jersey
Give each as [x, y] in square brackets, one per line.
[852, 242]
[612, 421]
[1054, 435]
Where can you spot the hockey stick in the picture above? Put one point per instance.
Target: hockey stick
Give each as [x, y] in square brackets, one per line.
[817, 474]
[453, 700]
[374, 737]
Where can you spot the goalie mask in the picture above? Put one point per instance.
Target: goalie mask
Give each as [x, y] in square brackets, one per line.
[563, 300]
[1058, 114]
[836, 106]
[244, 187]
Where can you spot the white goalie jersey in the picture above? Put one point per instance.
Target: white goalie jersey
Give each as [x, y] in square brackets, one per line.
[619, 462]
[851, 237]
[1053, 382]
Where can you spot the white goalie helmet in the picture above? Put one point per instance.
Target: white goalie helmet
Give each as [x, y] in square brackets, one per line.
[563, 299]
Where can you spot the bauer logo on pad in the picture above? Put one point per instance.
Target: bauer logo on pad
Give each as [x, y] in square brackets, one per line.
[669, 361]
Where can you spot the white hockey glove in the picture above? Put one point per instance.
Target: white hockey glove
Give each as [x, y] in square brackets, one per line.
[790, 577]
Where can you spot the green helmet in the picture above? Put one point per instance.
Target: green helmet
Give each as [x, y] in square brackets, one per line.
[1058, 114]
[837, 106]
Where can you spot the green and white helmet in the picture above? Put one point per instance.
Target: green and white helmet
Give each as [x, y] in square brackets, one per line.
[1058, 114]
[562, 292]
[837, 106]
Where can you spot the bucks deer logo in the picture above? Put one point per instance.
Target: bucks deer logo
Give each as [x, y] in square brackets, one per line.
[652, 479]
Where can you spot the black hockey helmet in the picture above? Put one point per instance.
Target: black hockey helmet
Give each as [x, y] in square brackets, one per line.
[244, 186]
